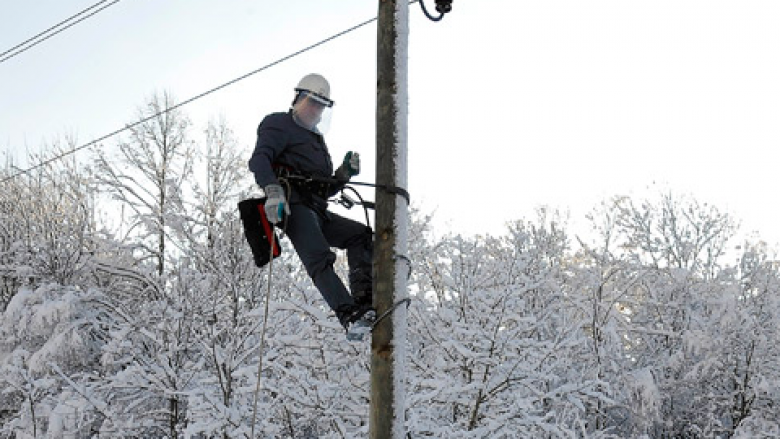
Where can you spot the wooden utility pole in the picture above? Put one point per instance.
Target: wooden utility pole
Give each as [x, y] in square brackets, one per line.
[391, 267]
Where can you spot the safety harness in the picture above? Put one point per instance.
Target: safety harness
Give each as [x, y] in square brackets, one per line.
[305, 185]
[326, 187]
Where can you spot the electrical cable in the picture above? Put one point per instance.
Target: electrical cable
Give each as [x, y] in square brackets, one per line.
[49, 29]
[428, 14]
[194, 98]
[442, 7]
[4, 58]
[190, 100]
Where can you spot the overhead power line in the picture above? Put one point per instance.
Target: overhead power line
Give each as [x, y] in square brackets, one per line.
[54, 30]
[190, 100]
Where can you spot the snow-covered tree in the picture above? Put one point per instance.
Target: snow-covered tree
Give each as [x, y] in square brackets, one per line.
[47, 334]
[673, 319]
[149, 176]
[646, 330]
[492, 338]
[48, 227]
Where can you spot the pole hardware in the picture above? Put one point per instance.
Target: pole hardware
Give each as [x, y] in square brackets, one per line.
[442, 7]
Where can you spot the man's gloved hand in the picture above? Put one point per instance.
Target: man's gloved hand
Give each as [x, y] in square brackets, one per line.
[275, 203]
[350, 167]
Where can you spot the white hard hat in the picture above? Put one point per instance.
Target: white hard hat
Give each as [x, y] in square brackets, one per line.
[317, 85]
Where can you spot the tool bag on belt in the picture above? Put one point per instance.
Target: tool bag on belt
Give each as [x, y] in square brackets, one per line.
[258, 231]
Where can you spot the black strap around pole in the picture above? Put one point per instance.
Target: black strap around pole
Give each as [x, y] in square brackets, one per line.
[395, 190]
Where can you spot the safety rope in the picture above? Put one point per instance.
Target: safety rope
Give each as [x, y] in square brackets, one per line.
[272, 239]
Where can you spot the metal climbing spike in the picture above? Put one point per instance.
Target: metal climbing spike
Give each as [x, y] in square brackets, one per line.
[407, 300]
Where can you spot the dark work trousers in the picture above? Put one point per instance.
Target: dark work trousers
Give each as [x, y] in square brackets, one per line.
[313, 234]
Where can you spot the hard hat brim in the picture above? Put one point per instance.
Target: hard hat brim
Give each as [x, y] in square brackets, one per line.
[319, 98]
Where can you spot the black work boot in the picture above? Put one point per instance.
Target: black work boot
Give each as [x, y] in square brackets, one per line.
[357, 320]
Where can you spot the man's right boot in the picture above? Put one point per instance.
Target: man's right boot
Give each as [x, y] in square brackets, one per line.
[357, 320]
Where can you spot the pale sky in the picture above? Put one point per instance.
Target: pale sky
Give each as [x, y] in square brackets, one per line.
[512, 104]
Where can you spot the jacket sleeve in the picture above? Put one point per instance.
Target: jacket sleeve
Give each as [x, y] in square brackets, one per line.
[271, 141]
[337, 186]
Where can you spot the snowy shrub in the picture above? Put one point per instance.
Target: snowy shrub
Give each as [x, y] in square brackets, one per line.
[46, 334]
[493, 339]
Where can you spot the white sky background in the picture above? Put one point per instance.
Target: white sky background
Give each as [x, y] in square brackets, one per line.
[512, 104]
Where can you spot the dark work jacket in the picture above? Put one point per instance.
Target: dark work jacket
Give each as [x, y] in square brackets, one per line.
[281, 141]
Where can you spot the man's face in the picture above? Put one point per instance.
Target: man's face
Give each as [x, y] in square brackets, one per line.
[309, 111]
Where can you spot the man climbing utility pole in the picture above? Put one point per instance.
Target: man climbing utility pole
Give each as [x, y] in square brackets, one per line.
[386, 418]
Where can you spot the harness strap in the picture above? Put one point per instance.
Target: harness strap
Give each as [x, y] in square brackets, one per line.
[307, 184]
[326, 183]
[395, 190]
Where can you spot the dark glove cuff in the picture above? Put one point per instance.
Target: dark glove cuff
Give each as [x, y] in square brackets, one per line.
[342, 174]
